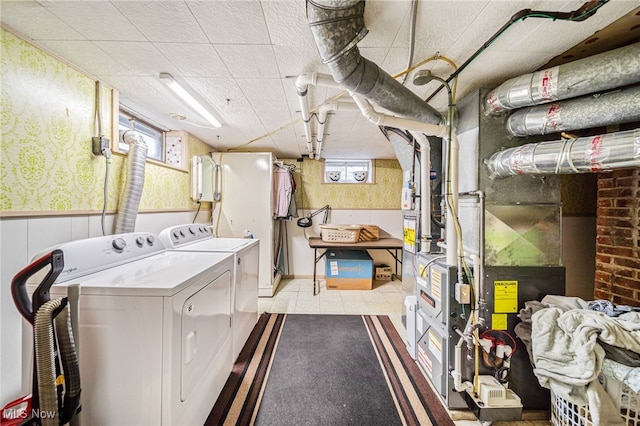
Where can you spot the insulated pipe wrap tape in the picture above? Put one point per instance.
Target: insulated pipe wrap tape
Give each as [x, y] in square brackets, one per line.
[615, 107]
[597, 73]
[582, 155]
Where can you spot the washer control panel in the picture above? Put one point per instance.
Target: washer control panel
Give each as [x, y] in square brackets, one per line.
[86, 256]
[181, 235]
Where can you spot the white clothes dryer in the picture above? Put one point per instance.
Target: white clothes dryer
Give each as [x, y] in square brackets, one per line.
[198, 238]
[155, 344]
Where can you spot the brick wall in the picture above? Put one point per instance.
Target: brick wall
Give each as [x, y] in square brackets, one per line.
[617, 277]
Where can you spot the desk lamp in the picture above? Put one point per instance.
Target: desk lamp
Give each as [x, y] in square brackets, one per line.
[306, 222]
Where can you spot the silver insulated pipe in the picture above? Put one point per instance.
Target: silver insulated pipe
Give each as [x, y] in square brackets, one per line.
[132, 192]
[615, 107]
[337, 26]
[582, 155]
[608, 70]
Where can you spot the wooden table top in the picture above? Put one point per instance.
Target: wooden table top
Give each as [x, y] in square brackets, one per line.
[382, 243]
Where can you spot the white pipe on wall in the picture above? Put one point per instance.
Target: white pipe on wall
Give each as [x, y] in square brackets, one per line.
[452, 204]
[430, 130]
[323, 112]
[425, 191]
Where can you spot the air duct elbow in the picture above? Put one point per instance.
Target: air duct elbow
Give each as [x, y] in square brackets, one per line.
[337, 26]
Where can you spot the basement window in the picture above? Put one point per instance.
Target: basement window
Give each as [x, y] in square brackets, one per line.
[348, 171]
[165, 147]
[153, 135]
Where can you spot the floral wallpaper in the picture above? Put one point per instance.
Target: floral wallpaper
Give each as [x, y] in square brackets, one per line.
[46, 123]
[384, 193]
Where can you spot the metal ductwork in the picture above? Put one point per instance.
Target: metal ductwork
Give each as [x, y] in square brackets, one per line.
[337, 26]
[605, 71]
[615, 107]
[132, 192]
[582, 155]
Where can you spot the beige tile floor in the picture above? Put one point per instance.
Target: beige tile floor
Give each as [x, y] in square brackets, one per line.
[295, 295]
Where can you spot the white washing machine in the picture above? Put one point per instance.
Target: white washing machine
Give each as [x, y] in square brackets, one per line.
[198, 238]
[155, 329]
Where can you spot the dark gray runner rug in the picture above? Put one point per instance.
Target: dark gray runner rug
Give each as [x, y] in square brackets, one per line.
[299, 369]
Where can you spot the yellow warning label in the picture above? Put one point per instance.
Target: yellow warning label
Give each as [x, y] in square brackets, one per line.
[499, 321]
[409, 236]
[505, 296]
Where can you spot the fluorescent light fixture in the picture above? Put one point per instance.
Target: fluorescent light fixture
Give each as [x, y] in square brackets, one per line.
[190, 100]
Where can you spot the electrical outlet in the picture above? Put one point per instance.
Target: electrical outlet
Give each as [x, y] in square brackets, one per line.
[99, 144]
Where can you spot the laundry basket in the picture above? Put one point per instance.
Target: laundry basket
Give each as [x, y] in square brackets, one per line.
[565, 413]
[340, 233]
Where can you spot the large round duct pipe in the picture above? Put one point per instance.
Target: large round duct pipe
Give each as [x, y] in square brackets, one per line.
[132, 193]
[337, 26]
[608, 70]
[620, 106]
[582, 155]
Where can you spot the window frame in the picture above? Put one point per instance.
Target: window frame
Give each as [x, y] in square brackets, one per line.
[333, 163]
[173, 144]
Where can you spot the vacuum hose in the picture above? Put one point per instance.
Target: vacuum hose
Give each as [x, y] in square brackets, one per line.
[45, 354]
[45, 362]
[70, 365]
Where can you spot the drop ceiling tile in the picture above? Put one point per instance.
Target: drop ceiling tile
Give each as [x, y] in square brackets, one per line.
[439, 24]
[95, 20]
[166, 21]
[36, 22]
[293, 61]
[232, 22]
[287, 23]
[194, 60]
[142, 58]
[223, 93]
[257, 90]
[273, 114]
[384, 22]
[95, 62]
[249, 61]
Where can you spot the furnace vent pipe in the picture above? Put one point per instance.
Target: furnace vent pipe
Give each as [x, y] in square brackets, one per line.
[605, 71]
[302, 85]
[620, 106]
[425, 191]
[337, 26]
[582, 155]
[429, 130]
[134, 184]
[323, 112]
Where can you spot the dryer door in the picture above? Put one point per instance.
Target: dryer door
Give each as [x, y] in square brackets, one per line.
[206, 338]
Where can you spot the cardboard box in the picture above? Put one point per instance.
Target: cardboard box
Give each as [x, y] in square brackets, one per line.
[369, 233]
[349, 270]
[383, 272]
